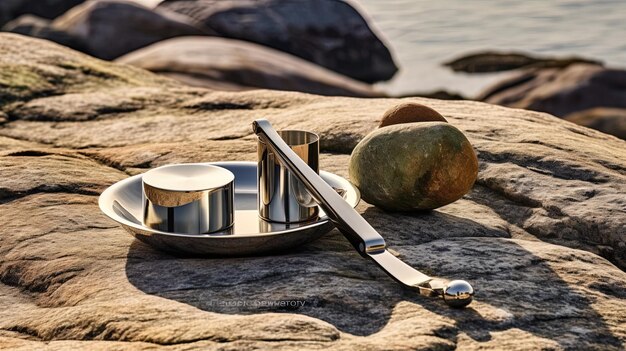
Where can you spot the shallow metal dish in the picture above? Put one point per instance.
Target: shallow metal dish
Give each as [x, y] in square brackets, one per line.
[122, 202]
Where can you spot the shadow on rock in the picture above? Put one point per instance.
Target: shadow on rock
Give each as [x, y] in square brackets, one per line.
[337, 287]
[516, 288]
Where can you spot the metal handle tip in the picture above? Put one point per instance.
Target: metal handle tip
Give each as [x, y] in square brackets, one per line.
[458, 293]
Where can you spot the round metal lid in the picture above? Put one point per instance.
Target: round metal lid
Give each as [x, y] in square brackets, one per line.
[188, 177]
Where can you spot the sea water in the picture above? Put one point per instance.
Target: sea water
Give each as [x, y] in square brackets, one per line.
[425, 33]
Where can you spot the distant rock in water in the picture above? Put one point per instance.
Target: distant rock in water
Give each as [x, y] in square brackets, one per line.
[113, 28]
[228, 64]
[562, 92]
[607, 120]
[41, 28]
[10, 9]
[330, 33]
[491, 61]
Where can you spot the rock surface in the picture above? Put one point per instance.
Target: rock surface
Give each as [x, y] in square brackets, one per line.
[112, 28]
[550, 197]
[330, 33]
[227, 64]
[490, 61]
[10, 9]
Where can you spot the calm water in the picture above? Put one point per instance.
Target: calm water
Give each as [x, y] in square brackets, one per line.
[423, 34]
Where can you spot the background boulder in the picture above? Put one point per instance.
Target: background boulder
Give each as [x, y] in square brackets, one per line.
[607, 120]
[562, 92]
[227, 64]
[494, 61]
[10, 9]
[113, 28]
[41, 28]
[330, 33]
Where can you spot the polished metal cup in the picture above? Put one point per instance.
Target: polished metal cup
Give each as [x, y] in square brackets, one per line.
[188, 198]
[282, 197]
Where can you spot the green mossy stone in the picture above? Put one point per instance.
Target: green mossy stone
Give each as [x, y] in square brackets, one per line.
[414, 166]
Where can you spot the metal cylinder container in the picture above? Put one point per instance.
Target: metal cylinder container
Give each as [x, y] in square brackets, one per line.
[188, 198]
[282, 197]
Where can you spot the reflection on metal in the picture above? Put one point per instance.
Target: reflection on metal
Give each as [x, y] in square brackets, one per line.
[282, 197]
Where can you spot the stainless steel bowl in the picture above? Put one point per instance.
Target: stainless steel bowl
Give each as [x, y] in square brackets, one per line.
[250, 235]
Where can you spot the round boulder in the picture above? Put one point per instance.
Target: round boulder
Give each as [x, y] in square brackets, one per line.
[330, 33]
[410, 112]
[414, 166]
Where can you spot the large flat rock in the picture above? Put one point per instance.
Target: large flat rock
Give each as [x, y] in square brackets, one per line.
[541, 236]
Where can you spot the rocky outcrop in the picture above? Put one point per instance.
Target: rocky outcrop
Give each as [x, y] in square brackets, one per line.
[562, 92]
[41, 28]
[227, 64]
[10, 9]
[111, 28]
[330, 33]
[493, 61]
[607, 120]
[548, 203]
